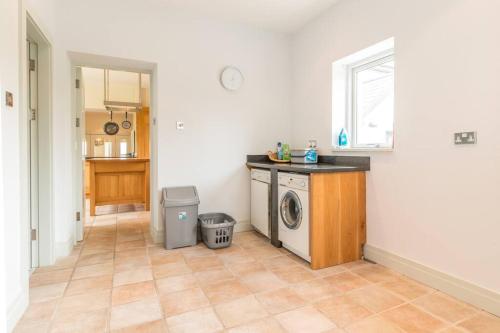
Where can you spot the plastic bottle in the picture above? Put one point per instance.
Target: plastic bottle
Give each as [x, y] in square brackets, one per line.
[342, 138]
[279, 151]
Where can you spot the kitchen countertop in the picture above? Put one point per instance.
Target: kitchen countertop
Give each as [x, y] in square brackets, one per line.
[305, 168]
[326, 164]
[116, 159]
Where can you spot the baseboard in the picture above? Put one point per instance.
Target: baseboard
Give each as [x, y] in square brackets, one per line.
[64, 248]
[16, 310]
[242, 226]
[157, 236]
[480, 297]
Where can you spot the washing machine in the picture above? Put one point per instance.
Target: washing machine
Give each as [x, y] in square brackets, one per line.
[293, 231]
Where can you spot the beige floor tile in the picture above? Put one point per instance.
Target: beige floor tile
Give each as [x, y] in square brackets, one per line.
[98, 258]
[306, 319]
[237, 258]
[454, 329]
[329, 271]
[135, 313]
[61, 263]
[93, 271]
[482, 323]
[127, 264]
[32, 327]
[445, 307]
[199, 321]
[347, 281]
[293, 274]
[183, 301]
[357, 264]
[82, 322]
[157, 326]
[213, 276]
[44, 278]
[342, 310]
[224, 291]
[262, 281]
[376, 273]
[47, 292]
[253, 243]
[93, 284]
[133, 292]
[167, 258]
[411, 319]
[241, 311]
[374, 325]
[84, 303]
[132, 276]
[375, 298]
[40, 312]
[407, 288]
[280, 300]
[199, 264]
[282, 262]
[263, 252]
[130, 245]
[314, 290]
[129, 253]
[176, 283]
[172, 269]
[267, 325]
[197, 251]
[241, 269]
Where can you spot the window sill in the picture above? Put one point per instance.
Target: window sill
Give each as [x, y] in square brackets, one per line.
[362, 149]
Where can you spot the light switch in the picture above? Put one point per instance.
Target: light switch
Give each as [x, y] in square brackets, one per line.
[180, 125]
[465, 138]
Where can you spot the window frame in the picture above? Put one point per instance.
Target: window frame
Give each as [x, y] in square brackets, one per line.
[351, 109]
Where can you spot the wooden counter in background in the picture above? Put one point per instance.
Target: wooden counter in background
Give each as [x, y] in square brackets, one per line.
[115, 181]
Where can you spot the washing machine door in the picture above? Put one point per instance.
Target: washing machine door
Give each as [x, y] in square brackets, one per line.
[291, 210]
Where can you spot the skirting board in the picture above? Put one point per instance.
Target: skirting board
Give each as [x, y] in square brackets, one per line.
[485, 299]
[16, 310]
[240, 226]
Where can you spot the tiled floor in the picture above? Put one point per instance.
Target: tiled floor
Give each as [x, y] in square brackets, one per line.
[119, 281]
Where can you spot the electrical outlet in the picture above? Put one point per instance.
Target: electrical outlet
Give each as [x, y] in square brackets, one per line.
[180, 125]
[465, 138]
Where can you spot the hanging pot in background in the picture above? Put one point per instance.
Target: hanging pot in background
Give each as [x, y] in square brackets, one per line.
[111, 128]
[126, 124]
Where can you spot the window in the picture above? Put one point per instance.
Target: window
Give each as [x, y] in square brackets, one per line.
[123, 148]
[363, 98]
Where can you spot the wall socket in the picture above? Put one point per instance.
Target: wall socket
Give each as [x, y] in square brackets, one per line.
[465, 138]
[180, 125]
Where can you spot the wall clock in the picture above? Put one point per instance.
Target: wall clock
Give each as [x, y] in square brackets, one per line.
[231, 78]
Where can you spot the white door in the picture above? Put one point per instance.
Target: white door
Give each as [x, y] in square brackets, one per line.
[78, 155]
[32, 63]
[259, 206]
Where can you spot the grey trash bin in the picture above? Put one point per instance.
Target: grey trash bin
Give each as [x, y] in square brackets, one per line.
[180, 216]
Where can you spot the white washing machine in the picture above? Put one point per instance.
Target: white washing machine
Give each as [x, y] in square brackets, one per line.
[293, 194]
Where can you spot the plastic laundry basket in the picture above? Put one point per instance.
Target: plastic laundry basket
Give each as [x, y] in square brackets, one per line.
[216, 229]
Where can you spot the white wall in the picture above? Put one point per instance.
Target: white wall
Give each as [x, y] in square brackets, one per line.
[13, 149]
[428, 200]
[220, 127]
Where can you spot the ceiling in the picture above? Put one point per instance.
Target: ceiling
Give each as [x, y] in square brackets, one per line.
[276, 15]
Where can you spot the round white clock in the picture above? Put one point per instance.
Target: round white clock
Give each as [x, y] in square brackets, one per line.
[231, 78]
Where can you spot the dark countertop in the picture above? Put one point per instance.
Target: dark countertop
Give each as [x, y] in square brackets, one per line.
[326, 164]
[304, 168]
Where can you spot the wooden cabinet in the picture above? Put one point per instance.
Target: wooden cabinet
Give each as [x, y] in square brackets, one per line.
[337, 218]
[118, 181]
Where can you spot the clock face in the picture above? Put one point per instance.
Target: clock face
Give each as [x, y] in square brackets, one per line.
[231, 78]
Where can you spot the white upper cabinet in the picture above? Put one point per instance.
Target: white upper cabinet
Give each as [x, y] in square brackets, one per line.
[93, 87]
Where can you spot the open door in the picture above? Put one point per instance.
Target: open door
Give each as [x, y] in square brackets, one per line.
[79, 156]
[32, 63]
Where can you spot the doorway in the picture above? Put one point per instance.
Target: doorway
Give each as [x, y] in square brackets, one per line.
[113, 112]
[37, 129]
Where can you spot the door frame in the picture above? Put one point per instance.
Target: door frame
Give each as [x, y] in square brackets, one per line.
[78, 59]
[46, 230]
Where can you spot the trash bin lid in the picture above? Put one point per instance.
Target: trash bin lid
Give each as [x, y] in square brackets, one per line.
[180, 196]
